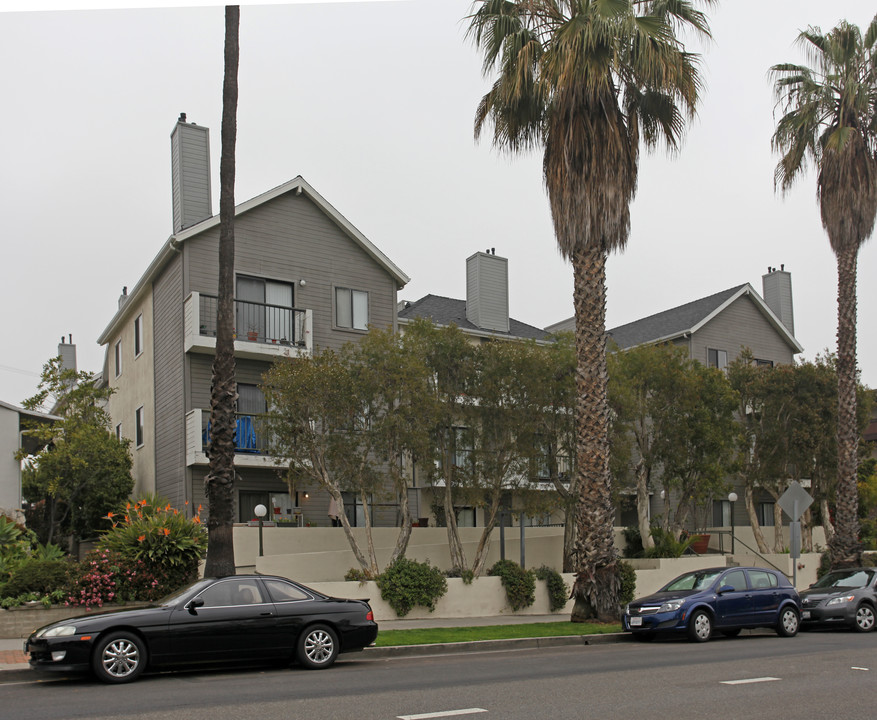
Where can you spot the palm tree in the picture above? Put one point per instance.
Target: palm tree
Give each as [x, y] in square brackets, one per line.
[219, 482]
[589, 80]
[830, 119]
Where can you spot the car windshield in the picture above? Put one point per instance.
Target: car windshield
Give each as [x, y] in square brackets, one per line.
[697, 580]
[174, 597]
[845, 579]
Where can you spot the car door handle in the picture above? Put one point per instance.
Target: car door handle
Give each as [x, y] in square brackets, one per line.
[266, 614]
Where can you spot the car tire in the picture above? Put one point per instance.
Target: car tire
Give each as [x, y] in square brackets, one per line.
[864, 620]
[700, 626]
[731, 633]
[317, 647]
[119, 657]
[788, 623]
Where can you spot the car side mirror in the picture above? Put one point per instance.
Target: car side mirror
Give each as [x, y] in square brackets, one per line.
[726, 589]
[194, 604]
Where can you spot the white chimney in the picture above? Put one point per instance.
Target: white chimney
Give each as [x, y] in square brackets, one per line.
[777, 286]
[487, 291]
[190, 173]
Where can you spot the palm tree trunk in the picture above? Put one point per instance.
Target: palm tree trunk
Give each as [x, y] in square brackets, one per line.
[597, 579]
[845, 547]
[219, 483]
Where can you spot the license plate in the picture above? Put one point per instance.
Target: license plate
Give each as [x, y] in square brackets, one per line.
[636, 621]
[805, 615]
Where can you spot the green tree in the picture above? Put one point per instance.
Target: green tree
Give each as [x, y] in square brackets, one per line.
[219, 483]
[830, 120]
[590, 80]
[348, 421]
[84, 471]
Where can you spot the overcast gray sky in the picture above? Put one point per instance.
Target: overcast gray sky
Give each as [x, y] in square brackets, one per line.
[373, 104]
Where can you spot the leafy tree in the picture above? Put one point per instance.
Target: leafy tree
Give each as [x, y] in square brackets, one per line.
[589, 80]
[219, 483]
[830, 120]
[85, 471]
[348, 420]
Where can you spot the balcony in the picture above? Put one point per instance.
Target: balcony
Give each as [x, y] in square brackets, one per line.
[263, 331]
[250, 441]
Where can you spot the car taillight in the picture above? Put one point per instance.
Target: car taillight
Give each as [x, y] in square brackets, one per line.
[370, 616]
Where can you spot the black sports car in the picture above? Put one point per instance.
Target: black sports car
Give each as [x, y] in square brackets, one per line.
[237, 619]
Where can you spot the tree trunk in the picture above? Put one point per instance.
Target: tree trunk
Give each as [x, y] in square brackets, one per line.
[484, 542]
[219, 483]
[827, 525]
[642, 504]
[369, 540]
[845, 548]
[351, 538]
[597, 579]
[405, 530]
[778, 540]
[455, 546]
[753, 519]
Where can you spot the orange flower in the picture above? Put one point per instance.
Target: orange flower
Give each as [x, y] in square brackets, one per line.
[128, 505]
[166, 531]
[126, 519]
[196, 520]
[141, 538]
[110, 515]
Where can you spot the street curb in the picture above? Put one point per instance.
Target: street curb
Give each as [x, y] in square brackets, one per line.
[395, 651]
[18, 673]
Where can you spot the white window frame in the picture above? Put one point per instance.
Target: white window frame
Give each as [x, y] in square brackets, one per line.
[345, 299]
[119, 432]
[721, 358]
[139, 427]
[138, 336]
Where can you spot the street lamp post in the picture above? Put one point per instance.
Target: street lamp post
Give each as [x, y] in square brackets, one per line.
[260, 511]
[732, 498]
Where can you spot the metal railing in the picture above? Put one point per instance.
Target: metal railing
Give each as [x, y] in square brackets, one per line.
[256, 322]
[251, 433]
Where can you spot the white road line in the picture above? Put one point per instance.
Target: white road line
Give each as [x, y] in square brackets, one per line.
[859, 668]
[748, 681]
[447, 713]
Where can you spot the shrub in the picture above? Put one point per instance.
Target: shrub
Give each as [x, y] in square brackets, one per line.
[627, 574]
[667, 546]
[37, 576]
[633, 542]
[358, 574]
[407, 583]
[168, 543]
[105, 576]
[824, 564]
[519, 584]
[558, 592]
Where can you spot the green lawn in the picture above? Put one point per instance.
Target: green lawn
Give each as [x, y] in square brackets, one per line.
[429, 636]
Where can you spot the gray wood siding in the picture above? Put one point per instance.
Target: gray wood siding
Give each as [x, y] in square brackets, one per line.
[487, 292]
[741, 325]
[201, 372]
[170, 430]
[290, 239]
[190, 168]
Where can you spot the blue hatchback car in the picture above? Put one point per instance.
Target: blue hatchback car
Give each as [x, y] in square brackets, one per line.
[724, 600]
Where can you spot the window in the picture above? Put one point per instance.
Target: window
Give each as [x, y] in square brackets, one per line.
[232, 592]
[462, 448]
[717, 358]
[763, 363]
[736, 579]
[284, 592]
[138, 335]
[351, 309]
[765, 514]
[119, 432]
[264, 310]
[117, 357]
[138, 426]
[761, 579]
[721, 513]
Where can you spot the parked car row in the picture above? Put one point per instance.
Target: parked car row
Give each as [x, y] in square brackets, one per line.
[725, 600]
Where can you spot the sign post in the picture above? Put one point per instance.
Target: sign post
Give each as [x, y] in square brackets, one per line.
[795, 502]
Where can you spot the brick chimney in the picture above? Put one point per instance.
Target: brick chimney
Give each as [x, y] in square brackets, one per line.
[190, 173]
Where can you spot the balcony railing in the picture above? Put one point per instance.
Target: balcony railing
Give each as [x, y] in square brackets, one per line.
[251, 439]
[261, 329]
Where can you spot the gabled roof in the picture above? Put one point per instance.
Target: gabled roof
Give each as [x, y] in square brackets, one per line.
[691, 317]
[36, 414]
[450, 311]
[297, 185]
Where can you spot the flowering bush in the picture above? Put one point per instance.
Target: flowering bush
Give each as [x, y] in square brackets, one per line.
[158, 534]
[105, 576]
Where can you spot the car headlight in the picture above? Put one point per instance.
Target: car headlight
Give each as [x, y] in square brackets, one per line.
[58, 631]
[843, 600]
[671, 606]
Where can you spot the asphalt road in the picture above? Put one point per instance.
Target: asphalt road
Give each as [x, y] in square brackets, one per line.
[758, 675]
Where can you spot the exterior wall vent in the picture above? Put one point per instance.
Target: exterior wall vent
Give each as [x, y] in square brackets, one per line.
[190, 174]
[777, 286]
[487, 291]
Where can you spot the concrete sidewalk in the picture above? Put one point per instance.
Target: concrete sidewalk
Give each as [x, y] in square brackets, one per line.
[13, 658]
